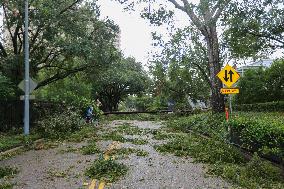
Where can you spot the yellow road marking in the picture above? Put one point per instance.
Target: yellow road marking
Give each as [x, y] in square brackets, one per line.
[102, 185]
[112, 147]
[93, 184]
[106, 157]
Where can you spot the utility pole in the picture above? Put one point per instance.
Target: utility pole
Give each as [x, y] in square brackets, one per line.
[27, 68]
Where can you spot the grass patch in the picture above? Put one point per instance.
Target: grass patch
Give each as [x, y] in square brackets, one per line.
[114, 136]
[127, 129]
[253, 175]
[12, 154]
[85, 132]
[226, 161]
[106, 170]
[8, 141]
[90, 149]
[258, 132]
[139, 141]
[127, 151]
[7, 172]
[162, 135]
[142, 153]
[6, 185]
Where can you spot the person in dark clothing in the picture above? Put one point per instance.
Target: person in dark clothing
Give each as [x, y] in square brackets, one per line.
[89, 114]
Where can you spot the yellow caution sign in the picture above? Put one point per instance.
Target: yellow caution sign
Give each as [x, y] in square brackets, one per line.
[228, 76]
[230, 91]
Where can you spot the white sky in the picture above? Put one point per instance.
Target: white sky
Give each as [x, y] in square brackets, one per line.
[135, 31]
[136, 38]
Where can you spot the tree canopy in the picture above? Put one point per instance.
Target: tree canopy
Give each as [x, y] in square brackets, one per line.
[66, 37]
[262, 85]
[122, 78]
[254, 27]
[204, 17]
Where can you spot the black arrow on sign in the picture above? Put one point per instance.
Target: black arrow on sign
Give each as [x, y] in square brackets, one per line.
[231, 75]
[226, 78]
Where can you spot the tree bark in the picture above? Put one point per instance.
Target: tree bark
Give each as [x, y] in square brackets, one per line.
[217, 99]
[207, 27]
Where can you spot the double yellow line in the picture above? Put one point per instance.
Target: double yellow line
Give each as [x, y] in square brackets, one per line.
[102, 184]
[94, 182]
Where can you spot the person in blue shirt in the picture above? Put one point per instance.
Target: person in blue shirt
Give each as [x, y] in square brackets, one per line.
[89, 114]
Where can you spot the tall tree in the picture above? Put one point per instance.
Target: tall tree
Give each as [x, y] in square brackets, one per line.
[122, 78]
[181, 66]
[66, 37]
[255, 27]
[204, 17]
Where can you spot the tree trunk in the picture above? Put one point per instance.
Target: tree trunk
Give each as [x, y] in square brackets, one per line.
[217, 99]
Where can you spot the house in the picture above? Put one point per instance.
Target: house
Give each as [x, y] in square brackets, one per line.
[265, 63]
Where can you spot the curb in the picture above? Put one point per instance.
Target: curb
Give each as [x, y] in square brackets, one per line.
[19, 148]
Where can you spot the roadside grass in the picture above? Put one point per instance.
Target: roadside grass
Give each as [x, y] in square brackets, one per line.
[9, 141]
[106, 170]
[162, 134]
[261, 132]
[12, 154]
[226, 161]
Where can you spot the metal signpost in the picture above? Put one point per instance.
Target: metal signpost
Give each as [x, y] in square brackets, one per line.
[27, 68]
[229, 76]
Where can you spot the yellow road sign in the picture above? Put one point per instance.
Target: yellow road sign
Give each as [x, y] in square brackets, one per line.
[228, 76]
[229, 91]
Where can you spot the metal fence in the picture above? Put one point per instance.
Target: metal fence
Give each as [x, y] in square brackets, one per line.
[12, 113]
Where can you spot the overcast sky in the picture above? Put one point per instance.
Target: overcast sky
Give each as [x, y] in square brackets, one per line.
[135, 31]
[136, 36]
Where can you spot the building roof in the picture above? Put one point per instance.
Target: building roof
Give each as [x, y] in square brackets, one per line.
[266, 63]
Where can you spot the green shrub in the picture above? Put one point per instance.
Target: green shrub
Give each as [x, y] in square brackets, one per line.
[264, 134]
[260, 132]
[60, 126]
[262, 107]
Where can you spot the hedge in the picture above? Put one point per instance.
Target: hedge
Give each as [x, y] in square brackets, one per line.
[263, 134]
[262, 107]
[255, 131]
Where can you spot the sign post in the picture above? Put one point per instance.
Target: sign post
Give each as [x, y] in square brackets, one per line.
[229, 76]
[27, 68]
